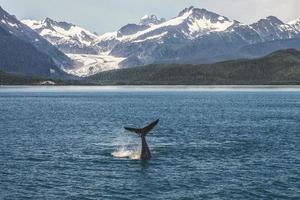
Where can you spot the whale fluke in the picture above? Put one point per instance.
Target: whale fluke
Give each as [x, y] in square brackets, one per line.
[142, 132]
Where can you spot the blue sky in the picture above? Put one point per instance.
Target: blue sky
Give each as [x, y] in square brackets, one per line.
[109, 15]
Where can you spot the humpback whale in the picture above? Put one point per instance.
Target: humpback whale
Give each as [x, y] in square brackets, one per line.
[142, 132]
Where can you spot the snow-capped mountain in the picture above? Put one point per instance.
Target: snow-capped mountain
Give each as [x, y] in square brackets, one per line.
[78, 44]
[139, 43]
[25, 51]
[149, 20]
[193, 36]
[271, 28]
[190, 23]
[295, 24]
[66, 36]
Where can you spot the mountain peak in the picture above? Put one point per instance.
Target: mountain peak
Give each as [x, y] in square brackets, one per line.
[150, 20]
[271, 19]
[50, 22]
[201, 13]
[295, 24]
[296, 21]
[66, 36]
[186, 10]
[4, 13]
[2, 10]
[196, 11]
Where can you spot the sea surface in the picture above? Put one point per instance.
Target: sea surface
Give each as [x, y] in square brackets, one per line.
[210, 143]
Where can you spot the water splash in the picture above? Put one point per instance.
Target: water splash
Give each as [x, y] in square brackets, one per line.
[127, 147]
[124, 152]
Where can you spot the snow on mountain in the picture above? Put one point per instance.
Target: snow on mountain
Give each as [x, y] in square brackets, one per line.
[193, 36]
[143, 45]
[67, 37]
[23, 32]
[271, 28]
[88, 64]
[201, 21]
[192, 22]
[295, 24]
[25, 51]
[149, 20]
[196, 36]
[78, 44]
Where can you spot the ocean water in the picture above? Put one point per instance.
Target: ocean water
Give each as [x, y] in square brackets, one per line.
[69, 143]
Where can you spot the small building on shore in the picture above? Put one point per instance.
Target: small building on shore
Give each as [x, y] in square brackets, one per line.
[47, 82]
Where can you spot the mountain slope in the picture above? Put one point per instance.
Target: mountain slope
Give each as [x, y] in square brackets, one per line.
[262, 49]
[194, 36]
[69, 38]
[22, 57]
[78, 44]
[295, 24]
[191, 23]
[271, 28]
[18, 79]
[12, 25]
[281, 67]
[24, 51]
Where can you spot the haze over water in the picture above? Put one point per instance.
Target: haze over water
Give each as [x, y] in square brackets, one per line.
[69, 143]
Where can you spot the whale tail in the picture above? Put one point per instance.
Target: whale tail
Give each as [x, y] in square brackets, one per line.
[142, 132]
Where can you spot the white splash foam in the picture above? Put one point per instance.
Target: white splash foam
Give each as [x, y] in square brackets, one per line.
[123, 152]
[127, 146]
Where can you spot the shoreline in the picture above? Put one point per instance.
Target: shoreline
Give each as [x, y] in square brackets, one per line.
[141, 88]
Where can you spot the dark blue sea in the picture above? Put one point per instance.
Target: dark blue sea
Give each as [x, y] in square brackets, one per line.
[210, 143]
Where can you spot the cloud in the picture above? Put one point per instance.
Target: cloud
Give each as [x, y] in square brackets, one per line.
[249, 11]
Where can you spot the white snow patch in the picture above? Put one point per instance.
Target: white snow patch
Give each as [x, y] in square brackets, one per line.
[204, 25]
[87, 64]
[107, 36]
[173, 22]
[13, 25]
[152, 37]
[145, 17]
[221, 18]
[295, 24]
[9, 23]
[34, 24]
[73, 33]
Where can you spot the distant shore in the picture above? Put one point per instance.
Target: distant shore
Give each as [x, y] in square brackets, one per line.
[78, 88]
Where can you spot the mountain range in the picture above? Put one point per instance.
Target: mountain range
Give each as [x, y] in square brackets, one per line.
[194, 36]
[278, 68]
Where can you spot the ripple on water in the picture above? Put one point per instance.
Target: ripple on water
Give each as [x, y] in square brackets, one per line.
[208, 145]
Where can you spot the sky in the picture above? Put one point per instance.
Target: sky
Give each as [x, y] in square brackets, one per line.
[109, 15]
